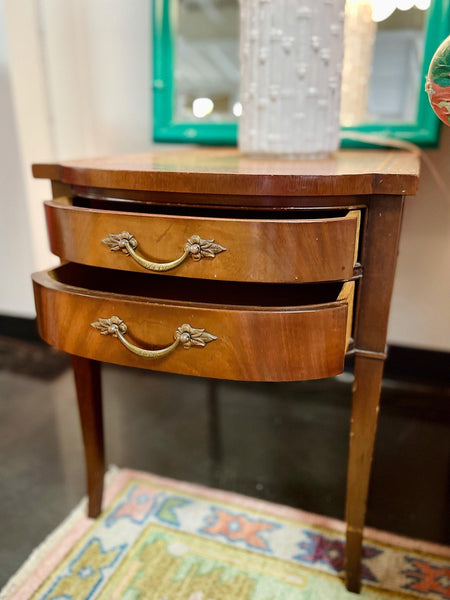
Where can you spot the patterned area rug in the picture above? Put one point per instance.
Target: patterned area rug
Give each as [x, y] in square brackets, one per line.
[159, 539]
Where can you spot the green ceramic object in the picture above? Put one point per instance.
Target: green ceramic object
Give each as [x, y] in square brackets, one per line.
[438, 82]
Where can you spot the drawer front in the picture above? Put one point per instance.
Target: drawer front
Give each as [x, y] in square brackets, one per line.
[240, 343]
[259, 250]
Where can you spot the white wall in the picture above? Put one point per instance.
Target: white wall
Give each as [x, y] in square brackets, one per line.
[98, 73]
[81, 86]
[420, 313]
[74, 82]
[32, 119]
[16, 260]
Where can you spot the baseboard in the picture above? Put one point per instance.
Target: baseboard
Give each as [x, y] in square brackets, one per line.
[417, 364]
[19, 328]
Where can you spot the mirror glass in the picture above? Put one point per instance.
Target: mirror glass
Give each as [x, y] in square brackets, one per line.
[396, 70]
[386, 88]
[207, 61]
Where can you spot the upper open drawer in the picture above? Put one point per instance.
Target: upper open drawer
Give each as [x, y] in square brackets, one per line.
[226, 248]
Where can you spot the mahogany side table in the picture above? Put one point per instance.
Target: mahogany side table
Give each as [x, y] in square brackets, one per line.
[203, 262]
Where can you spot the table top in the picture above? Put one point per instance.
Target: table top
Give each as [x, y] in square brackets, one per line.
[206, 170]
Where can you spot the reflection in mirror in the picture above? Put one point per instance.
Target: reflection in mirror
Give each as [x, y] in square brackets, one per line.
[207, 61]
[382, 64]
[395, 81]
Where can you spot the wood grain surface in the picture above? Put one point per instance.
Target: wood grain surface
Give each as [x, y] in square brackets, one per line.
[265, 250]
[226, 171]
[256, 343]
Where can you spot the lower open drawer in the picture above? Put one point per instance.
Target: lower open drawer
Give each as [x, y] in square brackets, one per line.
[253, 332]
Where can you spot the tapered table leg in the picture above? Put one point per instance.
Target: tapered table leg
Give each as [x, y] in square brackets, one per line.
[381, 234]
[366, 396]
[89, 395]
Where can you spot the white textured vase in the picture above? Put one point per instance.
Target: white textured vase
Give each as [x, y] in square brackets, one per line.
[291, 63]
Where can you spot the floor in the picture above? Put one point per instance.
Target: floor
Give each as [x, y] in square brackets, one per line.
[283, 442]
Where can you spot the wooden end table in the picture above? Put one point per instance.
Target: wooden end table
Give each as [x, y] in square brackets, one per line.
[203, 262]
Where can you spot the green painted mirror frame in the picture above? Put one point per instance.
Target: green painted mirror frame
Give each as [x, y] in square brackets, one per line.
[424, 131]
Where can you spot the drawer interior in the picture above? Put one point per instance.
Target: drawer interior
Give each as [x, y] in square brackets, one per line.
[122, 205]
[158, 287]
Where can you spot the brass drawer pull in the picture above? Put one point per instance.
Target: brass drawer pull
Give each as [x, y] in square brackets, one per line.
[195, 247]
[185, 335]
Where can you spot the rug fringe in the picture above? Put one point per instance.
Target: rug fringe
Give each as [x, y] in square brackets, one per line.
[50, 541]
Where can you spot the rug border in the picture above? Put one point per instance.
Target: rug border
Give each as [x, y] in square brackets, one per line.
[50, 551]
[333, 525]
[25, 575]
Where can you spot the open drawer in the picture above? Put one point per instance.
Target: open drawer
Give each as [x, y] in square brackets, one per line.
[277, 250]
[212, 329]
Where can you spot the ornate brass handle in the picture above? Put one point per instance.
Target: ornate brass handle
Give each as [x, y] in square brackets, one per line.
[185, 335]
[195, 247]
